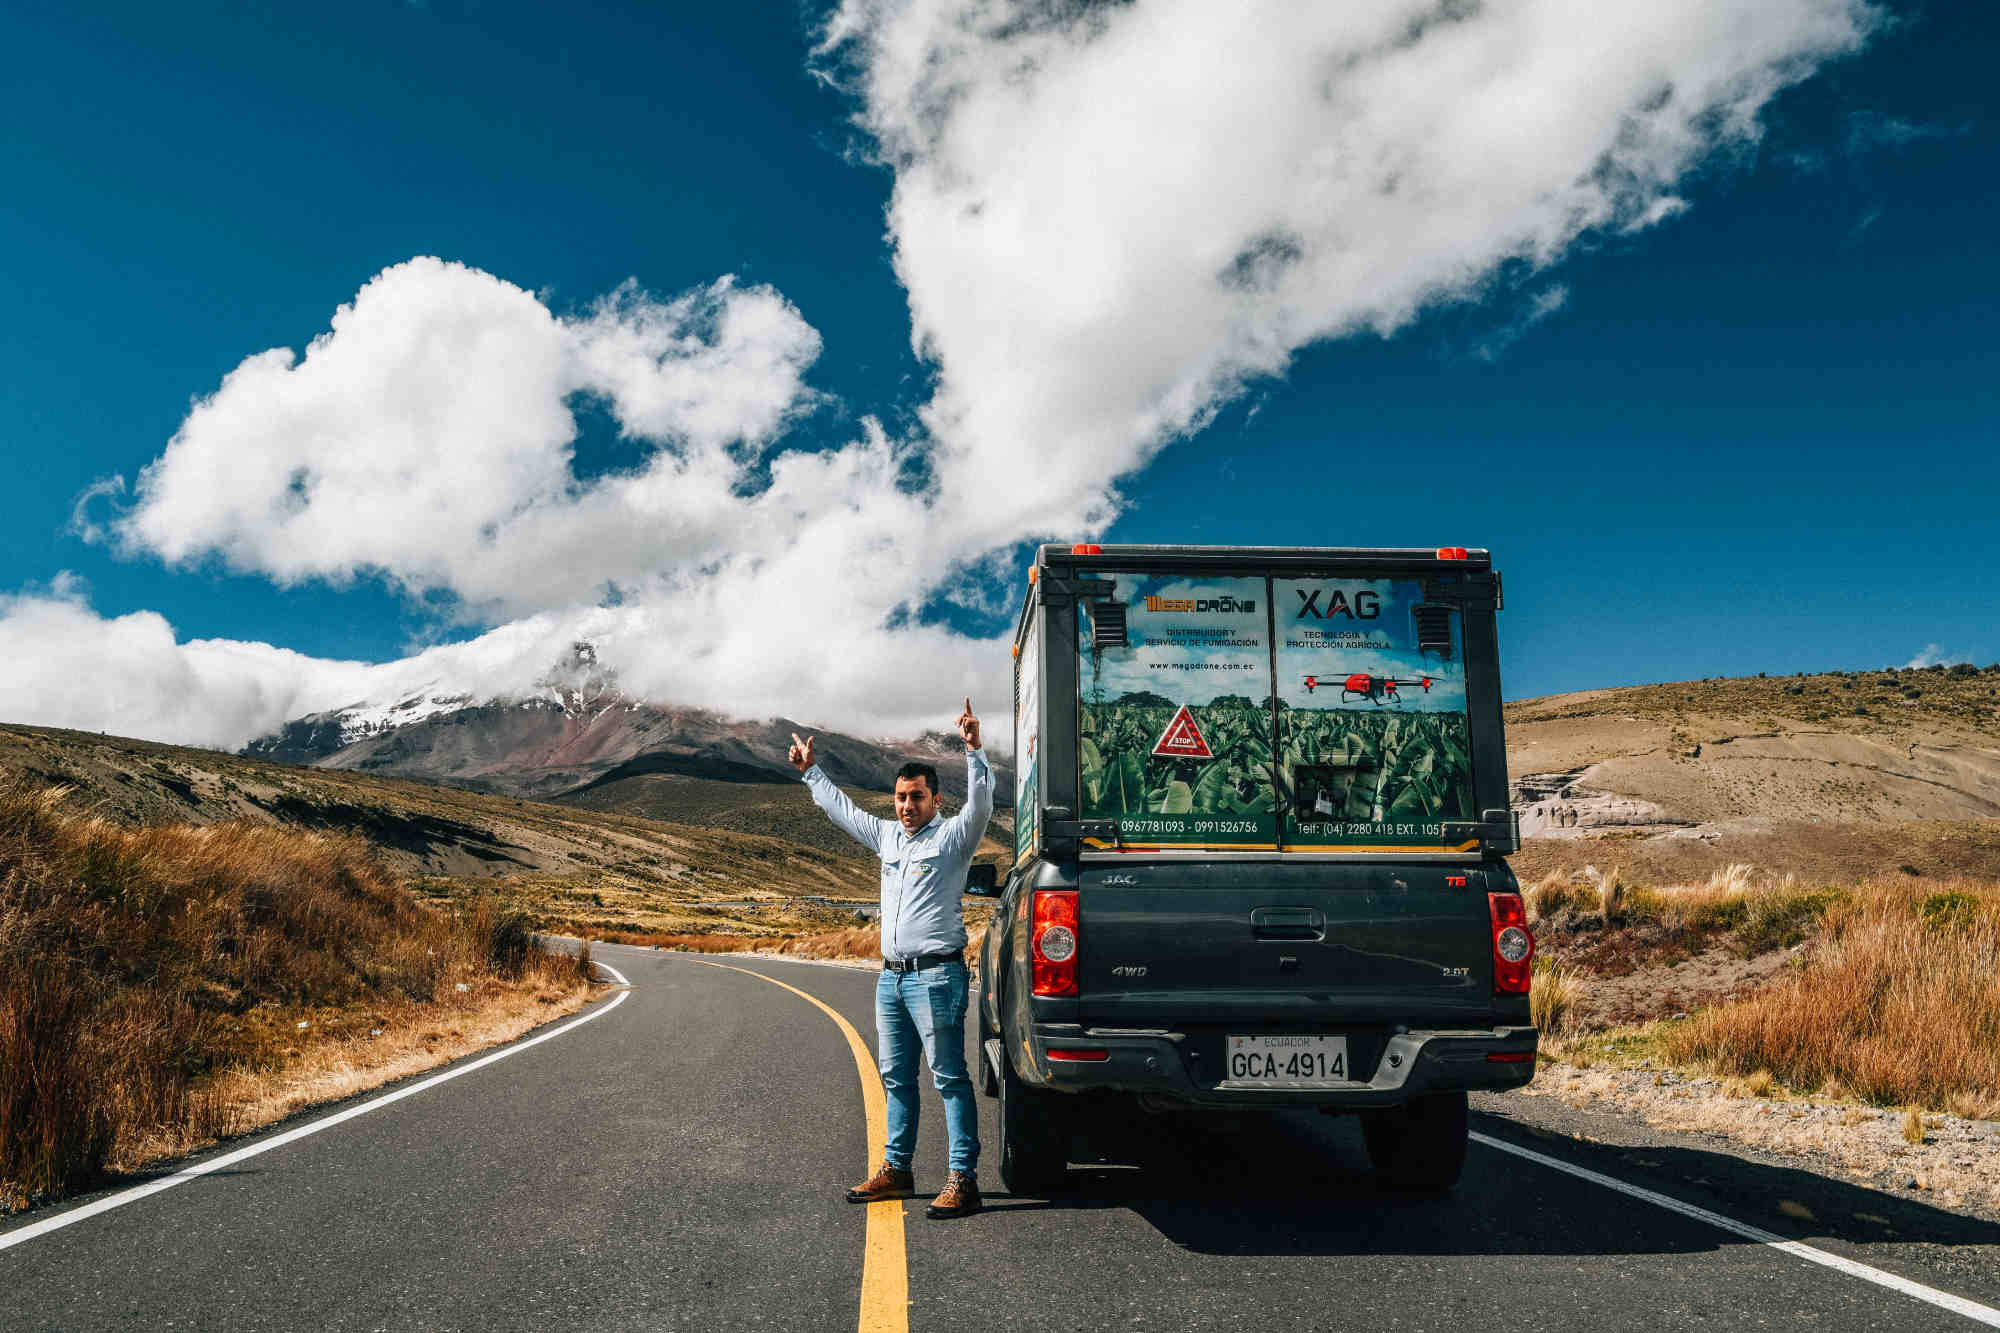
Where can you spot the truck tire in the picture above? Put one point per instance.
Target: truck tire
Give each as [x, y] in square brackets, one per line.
[1034, 1136]
[1419, 1146]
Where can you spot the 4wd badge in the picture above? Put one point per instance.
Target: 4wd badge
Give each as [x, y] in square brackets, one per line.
[1182, 739]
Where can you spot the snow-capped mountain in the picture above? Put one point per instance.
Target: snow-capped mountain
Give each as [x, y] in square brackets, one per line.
[575, 729]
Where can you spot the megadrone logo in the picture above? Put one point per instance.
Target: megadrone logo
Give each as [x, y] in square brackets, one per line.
[1204, 605]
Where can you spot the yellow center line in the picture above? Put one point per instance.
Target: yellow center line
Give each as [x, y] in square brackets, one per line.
[885, 1272]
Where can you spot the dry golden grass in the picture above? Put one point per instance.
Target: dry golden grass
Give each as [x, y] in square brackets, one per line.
[1762, 915]
[1900, 1000]
[1552, 997]
[702, 942]
[138, 966]
[1757, 1083]
[850, 943]
[1913, 1126]
[1610, 887]
[1551, 894]
[1733, 878]
[853, 942]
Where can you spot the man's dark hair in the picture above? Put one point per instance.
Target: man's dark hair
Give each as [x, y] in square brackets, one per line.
[914, 770]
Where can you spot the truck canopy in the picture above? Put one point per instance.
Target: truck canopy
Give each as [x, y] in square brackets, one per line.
[1302, 702]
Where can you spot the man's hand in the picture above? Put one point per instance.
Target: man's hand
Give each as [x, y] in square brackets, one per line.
[968, 726]
[801, 753]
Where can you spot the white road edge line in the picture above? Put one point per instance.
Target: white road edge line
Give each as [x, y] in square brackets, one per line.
[10, 1239]
[1973, 1310]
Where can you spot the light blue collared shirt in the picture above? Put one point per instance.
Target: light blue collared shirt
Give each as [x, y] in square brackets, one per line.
[923, 873]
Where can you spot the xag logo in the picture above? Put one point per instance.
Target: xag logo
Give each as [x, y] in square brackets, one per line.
[1367, 605]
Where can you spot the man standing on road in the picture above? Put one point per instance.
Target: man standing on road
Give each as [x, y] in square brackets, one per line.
[921, 997]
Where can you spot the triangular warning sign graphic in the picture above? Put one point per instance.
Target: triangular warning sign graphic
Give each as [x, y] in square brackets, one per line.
[1182, 739]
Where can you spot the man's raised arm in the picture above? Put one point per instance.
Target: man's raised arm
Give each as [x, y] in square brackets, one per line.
[969, 826]
[861, 826]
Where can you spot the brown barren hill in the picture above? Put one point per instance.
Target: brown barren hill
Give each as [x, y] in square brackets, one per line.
[1736, 757]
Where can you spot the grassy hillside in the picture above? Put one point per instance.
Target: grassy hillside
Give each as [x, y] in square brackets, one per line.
[766, 809]
[150, 978]
[562, 864]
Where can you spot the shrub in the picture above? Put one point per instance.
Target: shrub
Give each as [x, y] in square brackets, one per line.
[1780, 917]
[1719, 913]
[1948, 911]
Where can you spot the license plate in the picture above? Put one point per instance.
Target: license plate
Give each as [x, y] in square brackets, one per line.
[1289, 1061]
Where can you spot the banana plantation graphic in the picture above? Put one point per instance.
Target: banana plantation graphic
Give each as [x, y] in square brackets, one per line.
[1176, 722]
[1376, 750]
[1175, 798]
[1376, 775]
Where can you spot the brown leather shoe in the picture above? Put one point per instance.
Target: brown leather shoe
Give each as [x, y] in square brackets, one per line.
[888, 1182]
[958, 1198]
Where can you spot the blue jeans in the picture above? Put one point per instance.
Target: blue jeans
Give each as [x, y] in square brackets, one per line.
[926, 1010]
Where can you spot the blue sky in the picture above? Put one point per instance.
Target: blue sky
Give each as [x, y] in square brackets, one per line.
[1754, 435]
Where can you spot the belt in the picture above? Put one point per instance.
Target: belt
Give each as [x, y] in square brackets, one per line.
[920, 962]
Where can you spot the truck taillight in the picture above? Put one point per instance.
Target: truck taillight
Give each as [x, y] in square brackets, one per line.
[1053, 941]
[1513, 946]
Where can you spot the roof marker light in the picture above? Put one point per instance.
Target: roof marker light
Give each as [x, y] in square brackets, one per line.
[1451, 553]
[1085, 548]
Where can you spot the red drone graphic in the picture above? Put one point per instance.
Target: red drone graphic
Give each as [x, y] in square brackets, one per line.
[1375, 689]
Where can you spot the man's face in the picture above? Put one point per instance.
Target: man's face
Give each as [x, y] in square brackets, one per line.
[916, 803]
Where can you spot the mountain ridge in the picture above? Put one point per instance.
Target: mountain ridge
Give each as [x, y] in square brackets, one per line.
[579, 733]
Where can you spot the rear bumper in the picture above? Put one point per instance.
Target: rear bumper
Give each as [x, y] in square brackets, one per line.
[1170, 1066]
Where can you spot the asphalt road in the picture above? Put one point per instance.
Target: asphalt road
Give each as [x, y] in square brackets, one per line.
[678, 1163]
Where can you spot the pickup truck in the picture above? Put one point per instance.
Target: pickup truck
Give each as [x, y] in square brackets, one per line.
[1260, 820]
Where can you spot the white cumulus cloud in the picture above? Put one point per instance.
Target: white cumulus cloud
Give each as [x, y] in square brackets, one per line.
[1110, 218]
[428, 436]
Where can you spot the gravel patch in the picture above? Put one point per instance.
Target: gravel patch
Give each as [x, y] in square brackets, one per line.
[1956, 1167]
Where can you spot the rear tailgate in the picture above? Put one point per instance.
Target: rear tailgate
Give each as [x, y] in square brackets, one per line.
[1181, 945]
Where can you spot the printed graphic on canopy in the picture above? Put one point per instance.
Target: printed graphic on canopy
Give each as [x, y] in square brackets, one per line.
[1374, 745]
[1176, 724]
[1027, 744]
